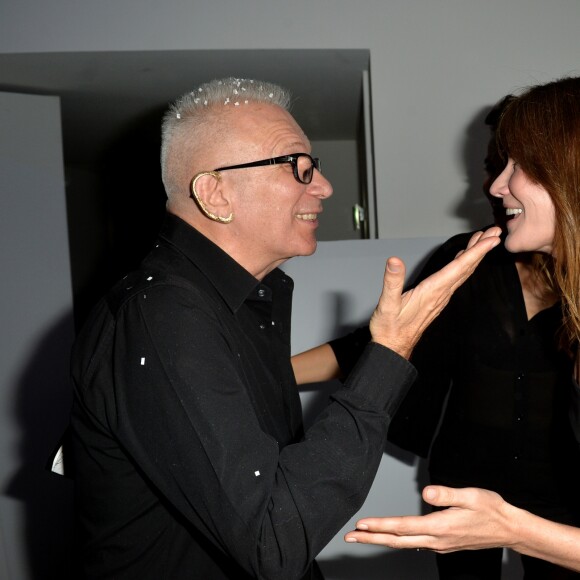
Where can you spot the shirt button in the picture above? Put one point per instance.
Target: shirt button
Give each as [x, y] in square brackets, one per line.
[262, 326]
[261, 293]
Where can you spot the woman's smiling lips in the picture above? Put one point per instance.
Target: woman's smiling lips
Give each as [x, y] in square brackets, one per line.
[512, 213]
[513, 210]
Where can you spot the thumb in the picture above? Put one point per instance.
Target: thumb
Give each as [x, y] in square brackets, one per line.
[385, 325]
[395, 265]
[439, 495]
[393, 282]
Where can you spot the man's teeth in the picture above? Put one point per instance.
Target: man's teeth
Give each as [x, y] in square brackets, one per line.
[306, 216]
[513, 211]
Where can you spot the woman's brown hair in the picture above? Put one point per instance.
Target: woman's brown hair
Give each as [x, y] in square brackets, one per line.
[540, 130]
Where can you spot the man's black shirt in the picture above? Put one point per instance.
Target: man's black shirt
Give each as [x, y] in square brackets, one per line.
[190, 456]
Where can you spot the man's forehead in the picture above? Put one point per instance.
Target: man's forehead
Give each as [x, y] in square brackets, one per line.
[268, 125]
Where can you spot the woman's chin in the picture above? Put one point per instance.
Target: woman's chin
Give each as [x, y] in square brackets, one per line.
[515, 246]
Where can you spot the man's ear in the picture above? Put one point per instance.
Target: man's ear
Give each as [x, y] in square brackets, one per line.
[207, 191]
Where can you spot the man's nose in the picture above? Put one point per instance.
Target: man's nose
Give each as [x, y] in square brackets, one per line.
[319, 186]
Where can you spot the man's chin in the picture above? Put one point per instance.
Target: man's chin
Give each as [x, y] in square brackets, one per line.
[305, 249]
[311, 250]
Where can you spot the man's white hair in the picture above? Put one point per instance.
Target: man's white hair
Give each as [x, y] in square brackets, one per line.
[186, 118]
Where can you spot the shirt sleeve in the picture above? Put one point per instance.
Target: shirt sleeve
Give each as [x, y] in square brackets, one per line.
[182, 412]
[348, 348]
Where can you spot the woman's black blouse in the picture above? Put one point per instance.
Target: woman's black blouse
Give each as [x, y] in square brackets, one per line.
[493, 391]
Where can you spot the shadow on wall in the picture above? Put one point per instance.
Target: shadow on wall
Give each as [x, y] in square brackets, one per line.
[130, 178]
[474, 206]
[128, 205]
[396, 564]
[42, 401]
[399, 565]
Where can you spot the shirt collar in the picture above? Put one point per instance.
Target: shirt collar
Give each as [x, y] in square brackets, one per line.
[233, 282]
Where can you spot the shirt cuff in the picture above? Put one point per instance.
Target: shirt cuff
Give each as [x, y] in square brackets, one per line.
[382, 378]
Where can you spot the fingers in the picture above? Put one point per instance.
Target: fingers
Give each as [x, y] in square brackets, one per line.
[474, 239]
[437, 495]
[457, 271]
[493, 232]
[400, 525]
[398, 532]
[481, 243]
[389, 540]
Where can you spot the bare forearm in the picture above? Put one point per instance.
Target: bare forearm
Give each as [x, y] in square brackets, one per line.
[316, 365]
[547, 540]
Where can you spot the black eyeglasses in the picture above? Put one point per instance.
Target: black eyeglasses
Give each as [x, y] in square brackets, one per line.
[303, 165]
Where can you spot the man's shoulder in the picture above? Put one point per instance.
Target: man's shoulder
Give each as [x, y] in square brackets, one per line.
[164, 272]
[140, 295]
[149, 283]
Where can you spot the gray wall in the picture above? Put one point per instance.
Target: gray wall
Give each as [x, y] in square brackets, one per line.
[434, 67]
[37, 332]
[336, 222]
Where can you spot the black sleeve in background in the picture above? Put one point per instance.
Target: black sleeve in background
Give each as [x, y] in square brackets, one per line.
[348, 348]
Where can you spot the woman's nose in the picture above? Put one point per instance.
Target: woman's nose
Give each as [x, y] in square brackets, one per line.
[499, 187]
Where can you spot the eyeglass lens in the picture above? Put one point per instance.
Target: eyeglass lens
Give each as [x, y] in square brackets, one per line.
[305, 168]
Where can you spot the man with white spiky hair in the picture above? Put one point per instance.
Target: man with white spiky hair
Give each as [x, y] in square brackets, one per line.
[190, 455]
